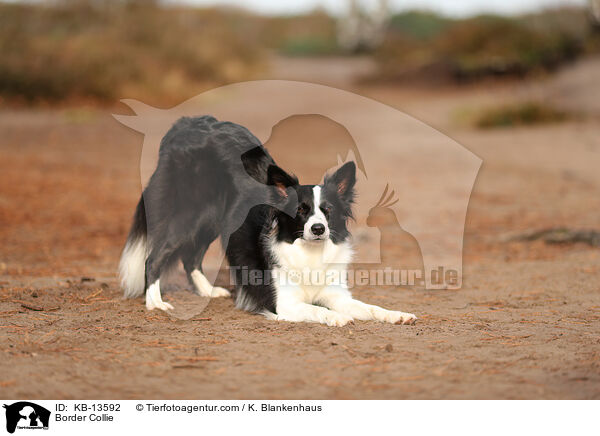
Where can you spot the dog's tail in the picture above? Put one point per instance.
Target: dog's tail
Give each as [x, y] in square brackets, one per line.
[132, 267]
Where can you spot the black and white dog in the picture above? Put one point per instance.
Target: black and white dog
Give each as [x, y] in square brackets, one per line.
[214, 179]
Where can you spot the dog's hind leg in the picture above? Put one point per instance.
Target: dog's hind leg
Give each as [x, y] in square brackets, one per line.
[192, 259]
[157, 261]
[154, 299]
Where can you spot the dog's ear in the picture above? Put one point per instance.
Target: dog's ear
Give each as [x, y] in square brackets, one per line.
[280, 180]
[344, 180]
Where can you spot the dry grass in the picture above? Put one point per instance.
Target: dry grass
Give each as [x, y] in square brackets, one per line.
[301, 35]
[105, 50]
[433, 48]
[519, 114]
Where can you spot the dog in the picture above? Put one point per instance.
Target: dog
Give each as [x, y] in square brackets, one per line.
[215, 179]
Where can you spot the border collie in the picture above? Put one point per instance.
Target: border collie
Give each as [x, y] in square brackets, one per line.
[215, 178]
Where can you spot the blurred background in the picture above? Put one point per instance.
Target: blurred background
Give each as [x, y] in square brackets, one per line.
[97, 51]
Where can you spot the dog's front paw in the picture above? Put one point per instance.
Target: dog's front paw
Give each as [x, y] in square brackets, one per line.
[394, 317]
[404, 318]
[335, 319]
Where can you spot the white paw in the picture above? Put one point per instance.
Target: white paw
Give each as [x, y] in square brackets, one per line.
[154, 299]
[335, 319]
[404, 318]
[205, 289]
[220, 292]
[395, 317]
[162, 305]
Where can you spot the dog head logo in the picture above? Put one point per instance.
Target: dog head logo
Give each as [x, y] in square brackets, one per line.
[431, 174]
[26, 415]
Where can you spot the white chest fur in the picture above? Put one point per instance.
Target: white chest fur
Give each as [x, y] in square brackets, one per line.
[314, 255]
[305, 268]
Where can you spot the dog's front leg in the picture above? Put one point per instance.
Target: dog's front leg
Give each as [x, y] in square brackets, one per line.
[291, 306]
[340, 300]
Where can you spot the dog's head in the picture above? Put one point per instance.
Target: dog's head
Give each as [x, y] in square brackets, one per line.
[321, 211]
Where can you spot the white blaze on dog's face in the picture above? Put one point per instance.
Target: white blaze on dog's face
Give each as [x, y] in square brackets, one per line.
[316, 227]
[322, 210]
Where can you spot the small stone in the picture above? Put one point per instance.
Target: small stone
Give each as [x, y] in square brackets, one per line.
[389, 348]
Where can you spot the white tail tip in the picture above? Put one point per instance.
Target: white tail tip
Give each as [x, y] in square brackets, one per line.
[132, 267]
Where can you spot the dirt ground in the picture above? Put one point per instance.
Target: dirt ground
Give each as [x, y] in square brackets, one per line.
[526, 323]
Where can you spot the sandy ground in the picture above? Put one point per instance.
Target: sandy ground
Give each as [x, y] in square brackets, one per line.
[526, 323]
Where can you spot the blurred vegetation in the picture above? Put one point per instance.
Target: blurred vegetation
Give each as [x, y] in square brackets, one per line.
[419, 25]
[312, 34]
[519, 114]
[104, 50]
[429, 47]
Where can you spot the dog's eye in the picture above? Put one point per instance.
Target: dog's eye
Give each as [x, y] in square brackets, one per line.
[303, 209]
[326, 210]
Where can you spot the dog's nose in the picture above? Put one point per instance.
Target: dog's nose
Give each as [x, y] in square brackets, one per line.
[317, 229]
